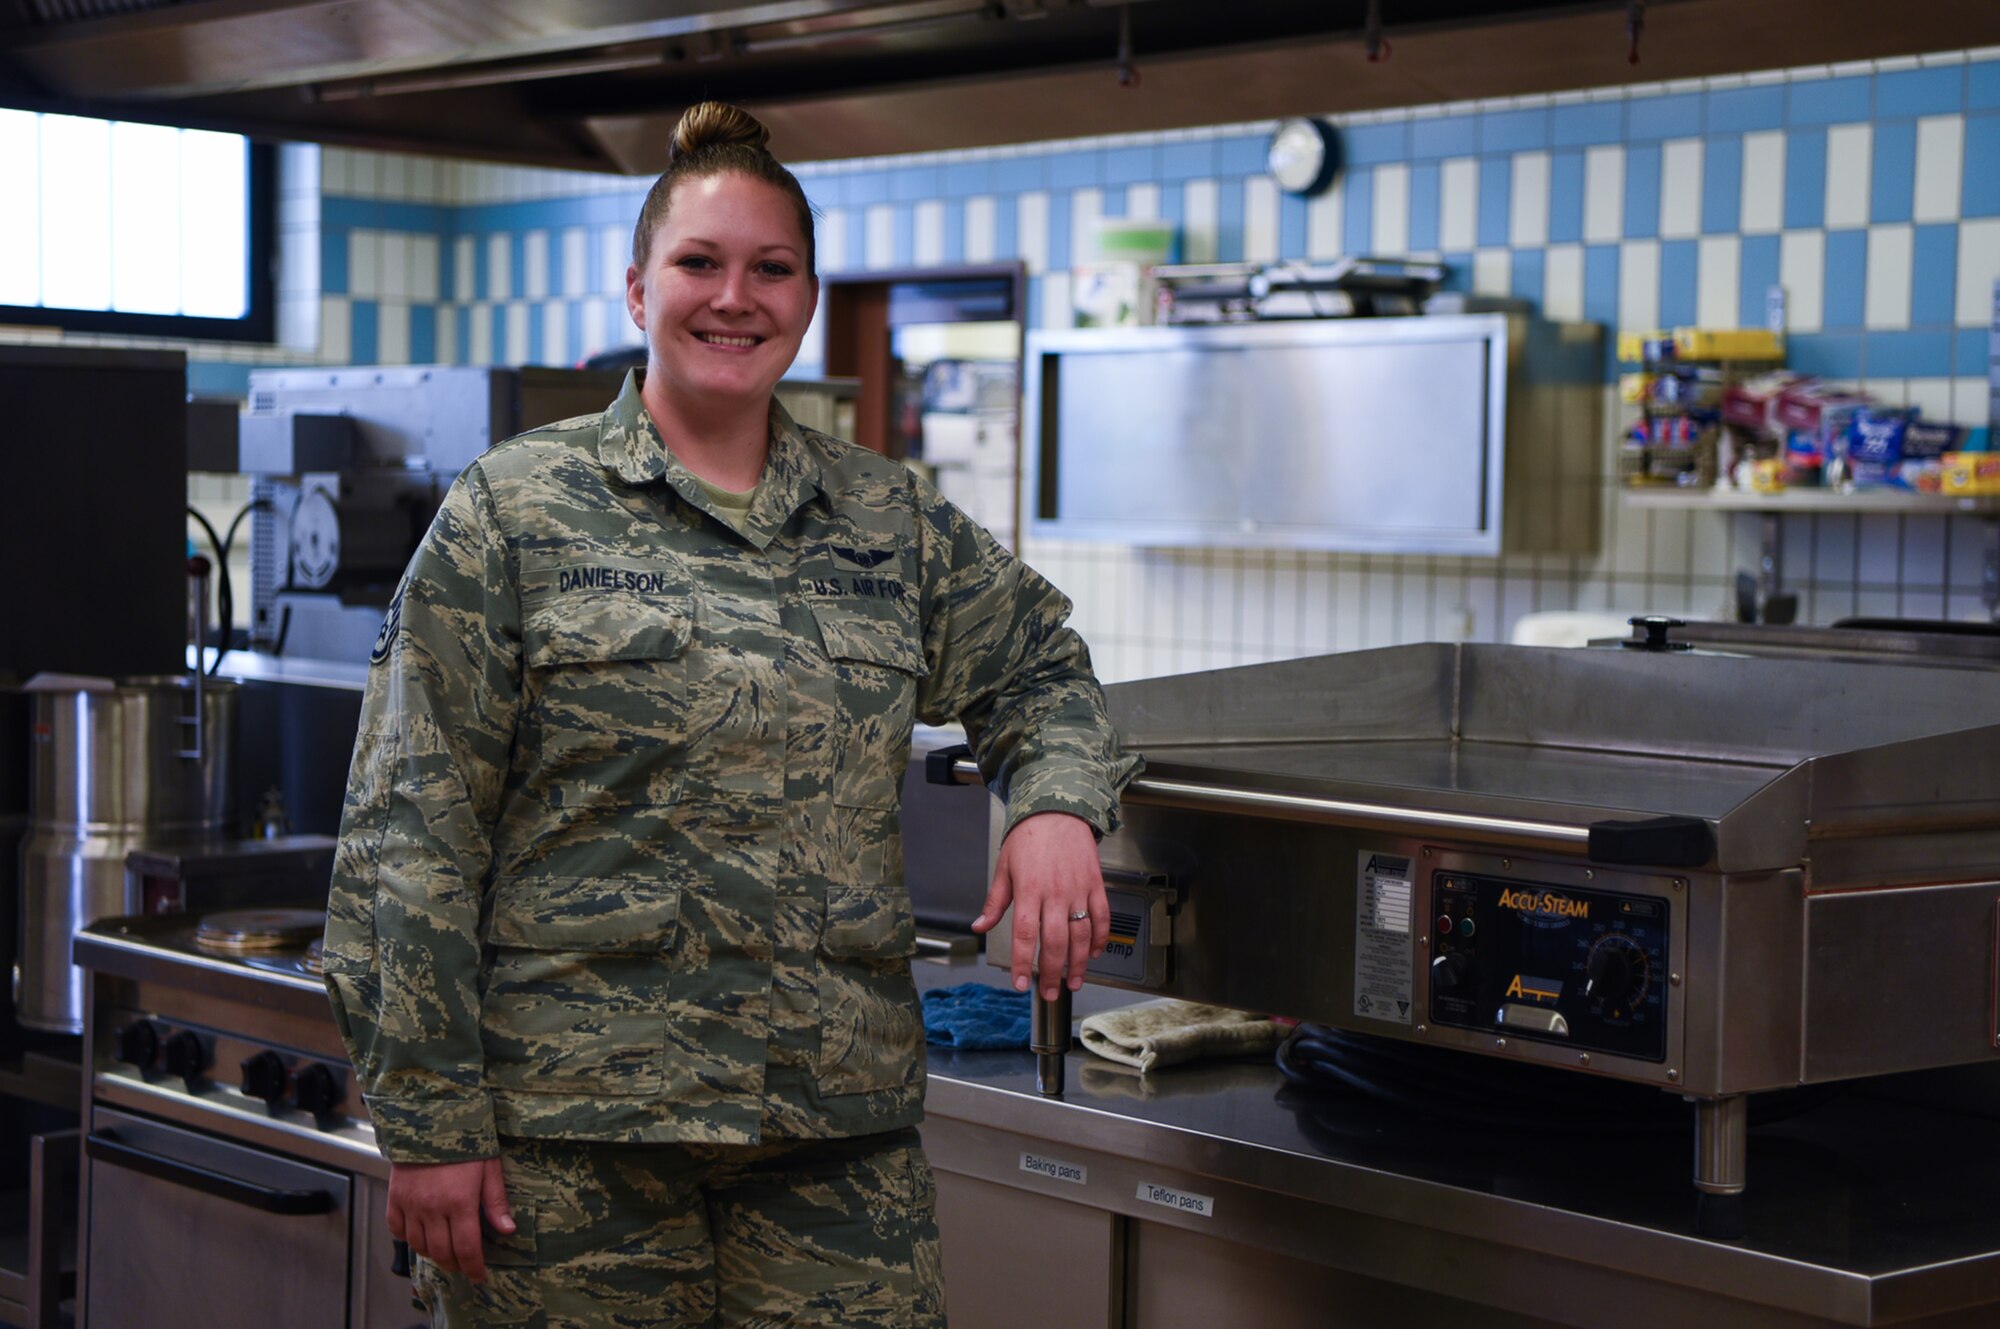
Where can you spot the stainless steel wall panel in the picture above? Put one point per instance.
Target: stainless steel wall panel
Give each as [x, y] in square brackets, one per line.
[1899, 980]
[1743, 979]
[1393, 435]
[1369, 438]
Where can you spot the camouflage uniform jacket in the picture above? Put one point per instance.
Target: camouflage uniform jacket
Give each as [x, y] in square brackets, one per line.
[620, 857]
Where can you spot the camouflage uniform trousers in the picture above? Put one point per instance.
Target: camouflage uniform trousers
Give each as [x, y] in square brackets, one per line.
[618, 1236]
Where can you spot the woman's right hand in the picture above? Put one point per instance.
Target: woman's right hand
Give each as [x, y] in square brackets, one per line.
[437, 1207]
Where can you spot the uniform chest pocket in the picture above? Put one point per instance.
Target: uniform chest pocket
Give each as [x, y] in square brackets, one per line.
[607, 693]
[580, 976]
[877, 664]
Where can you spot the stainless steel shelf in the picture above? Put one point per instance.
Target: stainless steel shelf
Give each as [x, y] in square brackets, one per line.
[1811, 502]
[50, 1078]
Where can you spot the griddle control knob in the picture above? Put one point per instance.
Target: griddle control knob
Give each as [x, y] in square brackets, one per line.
[139, 1044]
[318, 1090]
[186, 1056]
[1616, 972]
[1449, 969]
[264, 1077]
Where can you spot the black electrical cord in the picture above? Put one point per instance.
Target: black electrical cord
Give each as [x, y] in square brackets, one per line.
[1446, 1083]
[236, 522]
[225, 602]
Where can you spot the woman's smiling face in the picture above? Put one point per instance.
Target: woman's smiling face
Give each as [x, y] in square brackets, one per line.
[725, 297]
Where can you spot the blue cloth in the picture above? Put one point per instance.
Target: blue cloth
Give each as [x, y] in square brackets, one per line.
[975, 1016]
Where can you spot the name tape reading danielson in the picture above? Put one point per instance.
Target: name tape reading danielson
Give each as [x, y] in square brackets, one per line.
[1055, 1168]
[617, 579]
[1186, 1202]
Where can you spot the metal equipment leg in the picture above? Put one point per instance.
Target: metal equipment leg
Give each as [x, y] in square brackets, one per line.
[1989, 569]
[1770, 558]
[1048, 1039]
[1721, 1141]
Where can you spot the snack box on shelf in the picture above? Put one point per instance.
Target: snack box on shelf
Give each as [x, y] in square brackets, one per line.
[1969, 474]
[1741, 344]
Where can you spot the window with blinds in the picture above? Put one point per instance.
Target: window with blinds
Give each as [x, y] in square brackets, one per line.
[114, 226]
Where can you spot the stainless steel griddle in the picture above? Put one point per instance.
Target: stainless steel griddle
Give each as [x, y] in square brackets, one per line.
[1713, 874]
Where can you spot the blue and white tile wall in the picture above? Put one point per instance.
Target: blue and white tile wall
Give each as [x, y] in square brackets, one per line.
[1870, 191]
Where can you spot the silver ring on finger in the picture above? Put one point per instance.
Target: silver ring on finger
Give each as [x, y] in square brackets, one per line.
[1080, 916]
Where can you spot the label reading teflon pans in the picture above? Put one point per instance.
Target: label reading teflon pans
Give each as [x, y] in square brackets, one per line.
[1383, 889]
[1186, 1202]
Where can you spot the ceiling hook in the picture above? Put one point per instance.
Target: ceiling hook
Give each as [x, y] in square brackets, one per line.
[1128, 76]
[1372, 40]
[1635, 23]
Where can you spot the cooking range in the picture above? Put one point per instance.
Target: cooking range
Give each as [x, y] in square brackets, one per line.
[225, 1132]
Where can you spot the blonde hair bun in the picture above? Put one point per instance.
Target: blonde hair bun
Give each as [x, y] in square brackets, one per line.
[716, 138]
[716, 125]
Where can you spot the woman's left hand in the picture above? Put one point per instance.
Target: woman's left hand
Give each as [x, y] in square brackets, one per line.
[1049, 871]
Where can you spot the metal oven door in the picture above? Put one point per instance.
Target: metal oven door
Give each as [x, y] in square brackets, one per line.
[183, 1228]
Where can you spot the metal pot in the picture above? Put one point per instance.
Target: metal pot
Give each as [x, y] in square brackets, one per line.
[113, 770]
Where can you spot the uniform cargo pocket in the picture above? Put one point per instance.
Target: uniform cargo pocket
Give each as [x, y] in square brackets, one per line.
[869, 1032]
[877, 663]
[584, 914]
[576, 996]
[607, 685]
[865, 924]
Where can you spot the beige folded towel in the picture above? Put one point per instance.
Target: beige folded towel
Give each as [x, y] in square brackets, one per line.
[1160, 1033]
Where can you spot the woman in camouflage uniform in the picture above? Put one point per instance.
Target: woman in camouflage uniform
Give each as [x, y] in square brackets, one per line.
[618, 938]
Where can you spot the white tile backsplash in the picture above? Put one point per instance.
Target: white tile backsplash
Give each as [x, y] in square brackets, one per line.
[1680, 189]
[1940, 166]
[1848, 158]
[1390, 232]
[1887, 299]
[1198, 226]
[1802, 272]
[1719, 260]
[1604, 194]
[1458, 213]
[1978, 269]
[1639, 285]
[1528, 200]
[1324, 216]
[1562, 283]
[1763, 208]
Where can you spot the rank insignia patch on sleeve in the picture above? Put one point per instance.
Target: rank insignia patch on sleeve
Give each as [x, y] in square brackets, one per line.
[390, 624]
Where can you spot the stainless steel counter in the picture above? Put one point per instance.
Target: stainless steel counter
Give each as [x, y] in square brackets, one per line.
[1863, 1211]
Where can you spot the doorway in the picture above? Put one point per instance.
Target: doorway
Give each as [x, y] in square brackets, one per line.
[937, 354]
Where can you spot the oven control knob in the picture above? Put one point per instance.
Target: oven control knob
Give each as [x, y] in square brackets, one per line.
[1449, 969]
[318, 1090]
[186, 1057]
[264, 1077]
[139, 1044]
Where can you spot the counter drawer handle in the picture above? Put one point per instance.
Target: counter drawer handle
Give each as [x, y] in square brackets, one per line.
[103, 1148]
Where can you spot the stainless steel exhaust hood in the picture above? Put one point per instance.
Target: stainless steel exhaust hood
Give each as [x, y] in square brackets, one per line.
[597, 84]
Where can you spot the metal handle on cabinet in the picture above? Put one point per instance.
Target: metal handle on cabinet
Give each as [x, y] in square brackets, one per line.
[103, 1148]
[1147, 789]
